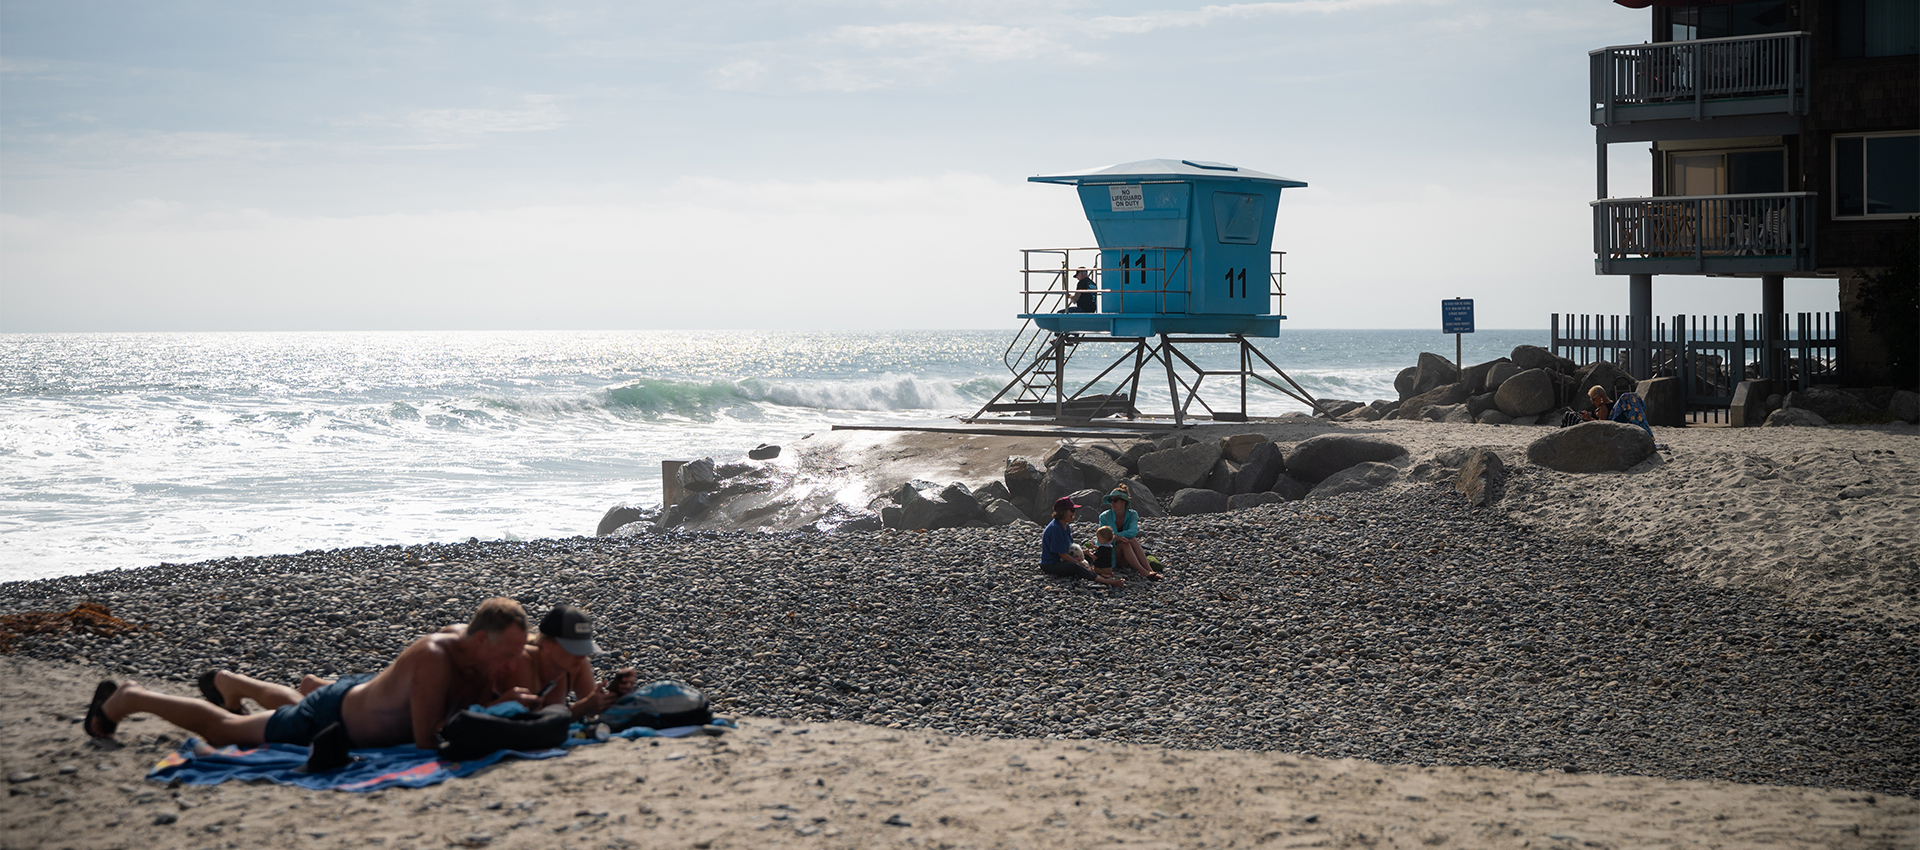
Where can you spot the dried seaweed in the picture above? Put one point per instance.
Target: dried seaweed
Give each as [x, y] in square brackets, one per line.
[87, 617]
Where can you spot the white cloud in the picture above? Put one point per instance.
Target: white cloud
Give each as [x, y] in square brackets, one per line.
[739, 75]
[974, 42]
[1136, 24]
[540, 113]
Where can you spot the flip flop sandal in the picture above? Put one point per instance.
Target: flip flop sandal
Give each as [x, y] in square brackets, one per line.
[212, 693]
[97, 714]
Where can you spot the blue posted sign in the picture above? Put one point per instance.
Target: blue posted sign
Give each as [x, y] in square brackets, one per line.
[1456, 316]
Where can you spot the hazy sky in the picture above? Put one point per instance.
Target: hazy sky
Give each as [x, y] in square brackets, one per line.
[489, 165]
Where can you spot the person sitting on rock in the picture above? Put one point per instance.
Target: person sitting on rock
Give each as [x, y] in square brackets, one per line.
[406, 702]
[1125, 522]
[1602, 406]
[1058, 555]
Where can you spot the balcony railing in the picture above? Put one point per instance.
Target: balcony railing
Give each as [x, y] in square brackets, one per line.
[1746, 75]
[1705, 234]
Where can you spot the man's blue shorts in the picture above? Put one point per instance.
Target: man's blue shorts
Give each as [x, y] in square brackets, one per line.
[297, 724]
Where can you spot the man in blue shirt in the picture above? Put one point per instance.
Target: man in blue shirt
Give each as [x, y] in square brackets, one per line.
[1058, 555]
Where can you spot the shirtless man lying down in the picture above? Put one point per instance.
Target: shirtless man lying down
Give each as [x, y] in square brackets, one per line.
[406, 702]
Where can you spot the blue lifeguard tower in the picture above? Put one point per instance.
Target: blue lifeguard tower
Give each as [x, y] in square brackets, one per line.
[1185, 256]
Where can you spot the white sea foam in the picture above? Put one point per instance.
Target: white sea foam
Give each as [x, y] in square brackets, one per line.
[124, 450]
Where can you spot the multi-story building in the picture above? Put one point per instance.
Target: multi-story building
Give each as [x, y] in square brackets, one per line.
[1785, 137]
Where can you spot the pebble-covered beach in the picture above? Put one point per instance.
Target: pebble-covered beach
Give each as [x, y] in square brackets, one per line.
[1399, 626]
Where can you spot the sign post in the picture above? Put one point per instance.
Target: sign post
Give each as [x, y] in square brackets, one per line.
[1456, 317]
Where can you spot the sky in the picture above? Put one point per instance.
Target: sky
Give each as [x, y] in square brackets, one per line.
[490, 164]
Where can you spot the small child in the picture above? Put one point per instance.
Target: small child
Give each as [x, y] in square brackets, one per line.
[1102, 562]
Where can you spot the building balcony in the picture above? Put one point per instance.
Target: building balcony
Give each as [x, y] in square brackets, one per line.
[1756, 85]
[1758, 234]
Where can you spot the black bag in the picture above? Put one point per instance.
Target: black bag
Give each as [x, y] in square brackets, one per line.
[471, 734]
[660, 705]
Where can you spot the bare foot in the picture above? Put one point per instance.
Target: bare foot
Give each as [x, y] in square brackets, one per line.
[1111, 581]
[310, 683]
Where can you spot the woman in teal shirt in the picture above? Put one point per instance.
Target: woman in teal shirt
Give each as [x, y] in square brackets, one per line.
[1125, 522]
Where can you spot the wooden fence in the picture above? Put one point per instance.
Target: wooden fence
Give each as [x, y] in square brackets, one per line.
[1712, 354]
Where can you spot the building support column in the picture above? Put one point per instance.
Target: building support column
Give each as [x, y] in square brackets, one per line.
[1773, 324]
[1639, 324]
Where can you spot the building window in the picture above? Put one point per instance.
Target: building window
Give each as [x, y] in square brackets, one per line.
[1876, 28]
[1736, 172]
[1720, 20]
[1876, 175]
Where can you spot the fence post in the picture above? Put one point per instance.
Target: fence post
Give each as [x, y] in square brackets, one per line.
[1739, 348]
[1685, 356]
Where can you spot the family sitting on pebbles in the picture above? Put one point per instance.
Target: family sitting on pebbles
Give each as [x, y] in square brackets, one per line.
[1119, 538]
[489, 660]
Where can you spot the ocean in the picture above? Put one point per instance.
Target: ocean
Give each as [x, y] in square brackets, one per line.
[129, 450]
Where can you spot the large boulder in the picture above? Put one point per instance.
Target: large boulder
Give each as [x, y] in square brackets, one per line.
[1416, 407]
[1904, 405]
[1403, 382]
[1181, 468]
[1600, 374]
[1793, 417]
[1095, 469]
[1356, 479]
[1144, 502]
[1023, 485]
[924, 504]
[1749, 406]
[1237, 447]
[1455, 414]
[1433, 371]
[1368, 413]
[1529, 393]
[1290, 488]
[1062, 479]
[1475, 376]
[1194, 500]
[699, 476]
[1832, 405]
[1498, 374]
[1592, 447]
[999, 511]
[1091, 503]
[1130, 459]
[1334, 408]
[1262, 467]
[620, 515]
[1534, 357]
[1493, 417]
[1316, 458]
[1220, 480]
[1666, 400]
[1481, 403]
[1481, 477]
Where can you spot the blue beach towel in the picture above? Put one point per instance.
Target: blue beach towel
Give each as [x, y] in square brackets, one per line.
[373, 769]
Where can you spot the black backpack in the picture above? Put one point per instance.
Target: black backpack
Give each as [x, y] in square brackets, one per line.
[660, 705]
[471, 734]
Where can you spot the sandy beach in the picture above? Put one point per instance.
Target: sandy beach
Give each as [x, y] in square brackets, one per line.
[1785, 559]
